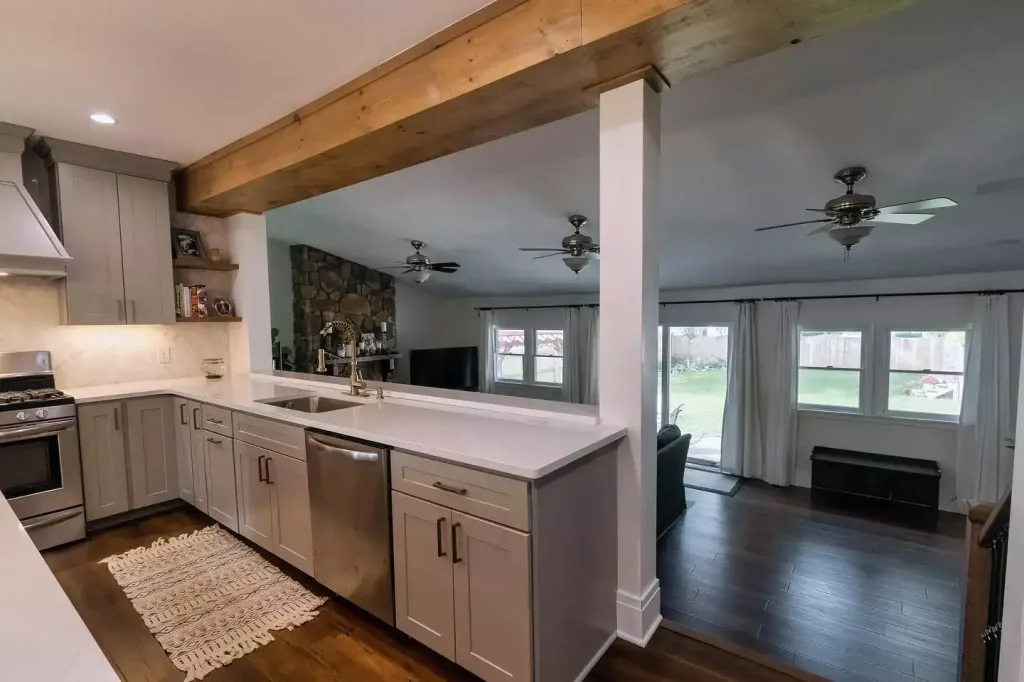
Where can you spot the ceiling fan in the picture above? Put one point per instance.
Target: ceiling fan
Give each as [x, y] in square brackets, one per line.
[420, 266]
[577, 251]
[848, 213]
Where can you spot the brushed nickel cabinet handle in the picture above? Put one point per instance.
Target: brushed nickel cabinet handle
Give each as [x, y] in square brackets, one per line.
[214, 441]
[449, 489]
[259, 467]
[456, 559]
[215, 421]
[117, 420]
[195, 418]
[132, 304]
[181, 411]
[269, 460]
[440, 538]
[121, 313]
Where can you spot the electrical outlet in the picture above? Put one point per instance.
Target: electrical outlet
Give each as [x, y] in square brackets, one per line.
[163, 355]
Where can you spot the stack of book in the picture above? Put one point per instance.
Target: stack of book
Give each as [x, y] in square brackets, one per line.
[190, 301]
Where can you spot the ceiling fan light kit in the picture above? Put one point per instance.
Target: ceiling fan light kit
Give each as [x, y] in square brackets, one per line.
[577, 251]
[847, 214]
[420, 266]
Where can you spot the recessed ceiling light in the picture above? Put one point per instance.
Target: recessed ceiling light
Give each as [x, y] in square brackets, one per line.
[105, 119]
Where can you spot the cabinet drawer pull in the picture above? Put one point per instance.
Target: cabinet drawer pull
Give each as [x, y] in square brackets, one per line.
[117, 420]
[259, 467]
[449, 489]
[195, 418]
[181, 411]
[269, 460]
[456, 559]
[214, 441]
[215, 421]
[440, 538]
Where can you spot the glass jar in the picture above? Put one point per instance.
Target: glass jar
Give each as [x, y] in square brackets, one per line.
[214, 368]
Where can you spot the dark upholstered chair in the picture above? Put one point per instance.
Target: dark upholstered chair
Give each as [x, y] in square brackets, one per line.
[673, 447]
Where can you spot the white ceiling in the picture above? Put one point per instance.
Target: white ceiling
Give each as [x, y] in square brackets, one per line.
[930, 100]
[186, 77]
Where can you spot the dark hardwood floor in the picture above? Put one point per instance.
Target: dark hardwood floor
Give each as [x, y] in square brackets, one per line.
[342, 644]
[848, 598]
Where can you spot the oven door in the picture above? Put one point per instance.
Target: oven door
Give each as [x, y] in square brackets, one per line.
[40, 467]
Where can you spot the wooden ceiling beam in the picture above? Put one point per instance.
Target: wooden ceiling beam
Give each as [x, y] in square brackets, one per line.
[514, 65]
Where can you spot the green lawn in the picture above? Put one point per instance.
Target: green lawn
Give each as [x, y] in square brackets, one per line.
[702, 395]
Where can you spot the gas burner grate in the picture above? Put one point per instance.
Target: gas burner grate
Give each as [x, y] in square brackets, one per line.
[30, 396]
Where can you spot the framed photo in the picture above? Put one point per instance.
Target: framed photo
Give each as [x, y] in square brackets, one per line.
[222, 307]
[187, 244]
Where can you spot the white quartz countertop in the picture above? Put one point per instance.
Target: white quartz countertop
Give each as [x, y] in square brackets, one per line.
[42, 637]
[528, 445]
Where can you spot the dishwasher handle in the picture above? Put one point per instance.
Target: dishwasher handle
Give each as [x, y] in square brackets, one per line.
[357, 455]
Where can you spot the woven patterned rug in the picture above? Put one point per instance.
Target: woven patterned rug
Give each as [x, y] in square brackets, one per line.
[209, 599]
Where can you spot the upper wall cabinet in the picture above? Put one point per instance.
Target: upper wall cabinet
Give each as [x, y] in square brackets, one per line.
[113, 211]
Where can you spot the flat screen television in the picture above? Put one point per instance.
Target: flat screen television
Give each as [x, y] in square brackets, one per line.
[455, 368]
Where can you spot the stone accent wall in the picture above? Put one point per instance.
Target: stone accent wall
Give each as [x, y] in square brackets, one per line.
[328, 287]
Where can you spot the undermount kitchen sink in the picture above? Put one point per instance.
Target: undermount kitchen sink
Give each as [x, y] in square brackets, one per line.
[310, 403]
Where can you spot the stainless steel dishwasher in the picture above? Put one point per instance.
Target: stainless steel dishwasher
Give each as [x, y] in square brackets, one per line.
[351, 505]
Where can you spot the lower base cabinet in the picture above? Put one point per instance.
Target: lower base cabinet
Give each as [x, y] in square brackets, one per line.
[221, 494]
[462, 587]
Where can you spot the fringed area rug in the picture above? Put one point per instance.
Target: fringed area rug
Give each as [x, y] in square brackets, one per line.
[209, 599]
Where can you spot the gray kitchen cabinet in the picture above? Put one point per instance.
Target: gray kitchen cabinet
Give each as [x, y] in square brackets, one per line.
[104, 465]
[183, 450]
[202, 502]
[145, 221]
[424, 580]
[220, 479]
[255, 496]
[93, 292]
[152, 454]
[492, 599]
[293, 526]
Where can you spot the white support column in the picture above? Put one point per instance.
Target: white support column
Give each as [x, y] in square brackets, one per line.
[630, 238]
[250, 340]
[1011, 663]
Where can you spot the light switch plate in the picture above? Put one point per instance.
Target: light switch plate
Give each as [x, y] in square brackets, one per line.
[163, 355]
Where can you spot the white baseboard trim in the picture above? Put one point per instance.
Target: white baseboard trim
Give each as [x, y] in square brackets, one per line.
[639, 617]
[597, 657]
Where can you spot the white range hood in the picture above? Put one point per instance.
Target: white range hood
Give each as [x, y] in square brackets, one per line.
[28, 245]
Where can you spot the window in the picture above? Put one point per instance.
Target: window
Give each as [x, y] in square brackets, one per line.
[926, 372]
[548, 356]
[509, 349]
[528, 356]
[830, 370]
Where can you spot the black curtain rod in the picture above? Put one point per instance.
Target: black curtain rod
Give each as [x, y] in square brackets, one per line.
[985, 292]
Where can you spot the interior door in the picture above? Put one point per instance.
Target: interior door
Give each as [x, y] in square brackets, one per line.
[94, 290]
[492, 599]
[183, 450]
[144, 209]
[293, 529]
[424, 592]
[151, 450]
[255, 495]
[104, 467]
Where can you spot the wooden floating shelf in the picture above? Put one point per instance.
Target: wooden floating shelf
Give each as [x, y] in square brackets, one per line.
[200, 264]
[209, 319]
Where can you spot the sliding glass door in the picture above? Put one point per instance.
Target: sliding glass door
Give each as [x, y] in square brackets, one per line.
[691, 394]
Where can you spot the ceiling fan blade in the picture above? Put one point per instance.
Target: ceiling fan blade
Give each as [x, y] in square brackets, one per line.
[391, 267]
[925, 205]
[549, 255]
[522, 249]
[902, 218]
[406, 272]
[447, 271]
[816, 210]
[446, 264]
[802, 222]
[823, 228]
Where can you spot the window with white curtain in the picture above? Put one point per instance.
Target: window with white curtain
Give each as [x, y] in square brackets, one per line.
[926, 373]
[549, 356]
[529, 356]
[509, 353]
[831, 365]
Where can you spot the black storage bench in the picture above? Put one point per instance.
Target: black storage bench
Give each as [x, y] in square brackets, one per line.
[906, 487]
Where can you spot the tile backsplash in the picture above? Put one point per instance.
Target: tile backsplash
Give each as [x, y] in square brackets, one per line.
[91, 355]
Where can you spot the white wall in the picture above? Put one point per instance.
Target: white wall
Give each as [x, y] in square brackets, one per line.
[425, 321]
[279, 264]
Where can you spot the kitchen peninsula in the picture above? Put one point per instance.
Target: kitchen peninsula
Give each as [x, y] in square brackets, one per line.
[516, 501]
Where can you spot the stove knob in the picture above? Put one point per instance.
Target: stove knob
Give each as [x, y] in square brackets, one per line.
[42, 414]
[20, 416]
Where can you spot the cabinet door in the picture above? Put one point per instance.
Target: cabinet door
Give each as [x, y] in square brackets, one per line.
[424, 593]
[183, 450]
[94, 288]
[492, 599]
[104, 467]
[293, 528]
[255, 517]
[145, 224]
[198, 458]
[152, 455]
[220, 480]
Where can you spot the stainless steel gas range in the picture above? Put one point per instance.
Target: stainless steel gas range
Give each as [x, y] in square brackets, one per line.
[40, 465]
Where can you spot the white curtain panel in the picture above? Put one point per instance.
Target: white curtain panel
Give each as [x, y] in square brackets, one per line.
[778, 348]
[984, 463]
[487, 351]
[579, 378]
[742, 450]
